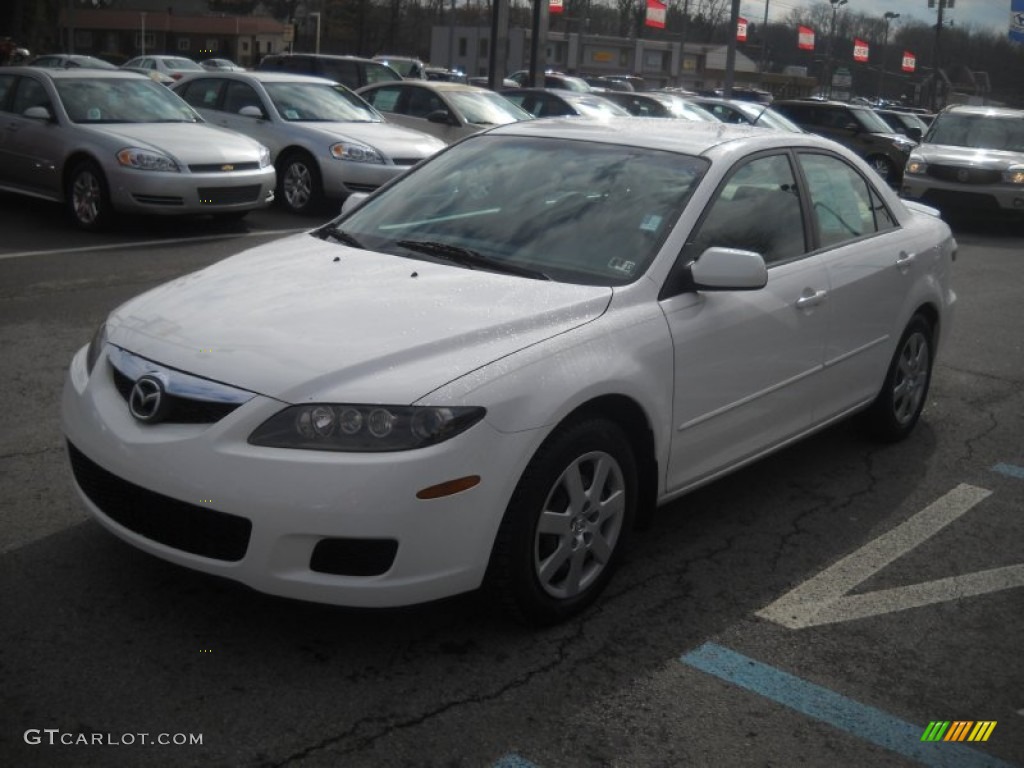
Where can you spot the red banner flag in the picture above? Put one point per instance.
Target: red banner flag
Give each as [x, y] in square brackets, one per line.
[655, 14]
[909, 61]
[555, 6]
[741, 29]
[860, 50]
[805, 39]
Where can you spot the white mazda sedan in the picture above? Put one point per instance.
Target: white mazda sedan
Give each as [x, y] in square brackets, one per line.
[485, 373]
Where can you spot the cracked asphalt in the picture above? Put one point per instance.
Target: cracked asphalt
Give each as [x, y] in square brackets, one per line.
[96, 637]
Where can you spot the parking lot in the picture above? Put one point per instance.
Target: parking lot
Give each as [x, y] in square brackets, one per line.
[821, 607]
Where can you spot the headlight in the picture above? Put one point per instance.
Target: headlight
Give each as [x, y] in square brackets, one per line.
[1014, 175]
[264, 156]
[357, 153]
[95, 347]
[916, 166]
[146, 160]
[363, 428]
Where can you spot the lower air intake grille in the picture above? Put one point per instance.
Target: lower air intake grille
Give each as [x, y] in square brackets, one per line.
[188, 527]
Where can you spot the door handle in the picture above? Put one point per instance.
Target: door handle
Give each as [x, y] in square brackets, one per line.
[905, 260]
[808, 300]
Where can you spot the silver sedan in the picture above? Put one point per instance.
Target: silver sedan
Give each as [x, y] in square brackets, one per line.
[110, 141]
[325, 141]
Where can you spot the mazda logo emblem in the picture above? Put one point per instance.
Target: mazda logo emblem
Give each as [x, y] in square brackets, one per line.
[146, 401]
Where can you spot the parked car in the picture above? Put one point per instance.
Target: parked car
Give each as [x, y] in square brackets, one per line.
[449, 111]
[408, 67]
[907, 123]
[173, 67]
[486, 372]
[855, 126]
[971, 160]
[105, 142]
[70, 61]
[325, 141]
[639, 104]
[553, 102]
[220, 65]
[351, 71]
[744, 112]
[681, 106]
[445, 75]
[552, 79]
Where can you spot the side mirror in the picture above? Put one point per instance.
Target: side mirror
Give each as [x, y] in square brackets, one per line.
[441, 116]
[729, 269]
[38, 113]
[251, 111]
[353, 201]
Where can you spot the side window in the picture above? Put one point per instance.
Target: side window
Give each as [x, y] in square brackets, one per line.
[757, 209]
[6, 89]
[384, 99]
[344, 72]
[30, 93]
[238, 95]
[202, 94]
[845, 207]
[378, 73]
[422, 102]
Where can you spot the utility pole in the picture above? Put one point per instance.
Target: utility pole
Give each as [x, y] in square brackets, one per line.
[730, 53]
[764, 42]
[937, 49]
[889, 16]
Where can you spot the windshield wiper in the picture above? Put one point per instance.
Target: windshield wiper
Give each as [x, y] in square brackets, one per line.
[340, 235]
[466, 257]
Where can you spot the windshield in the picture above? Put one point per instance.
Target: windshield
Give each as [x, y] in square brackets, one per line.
[870, 121]
[122, 100]
[595, 106]
[580, 212]
[686, 110]
[765, 117]
[182, 65]
[302, 102]
[978, 131]
[487, 108]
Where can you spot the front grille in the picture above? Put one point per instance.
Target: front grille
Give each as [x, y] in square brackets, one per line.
[948, 198]
[187, 527]
[158, 199]
[180, 410]
[353, 557]
[223, 167]
[228, 195]
[973, 175]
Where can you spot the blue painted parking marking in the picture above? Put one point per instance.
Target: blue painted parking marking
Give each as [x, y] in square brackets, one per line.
[513, 760]
[1009, 470]
[860, 720]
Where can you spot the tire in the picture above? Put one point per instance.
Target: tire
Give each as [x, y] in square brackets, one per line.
[554, 555]
[884, 167]
[88, 197]
[299, 188]
[898, 406]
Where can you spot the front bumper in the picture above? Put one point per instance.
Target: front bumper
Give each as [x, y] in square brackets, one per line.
[153, 192]
[949, 195]
[257, 515]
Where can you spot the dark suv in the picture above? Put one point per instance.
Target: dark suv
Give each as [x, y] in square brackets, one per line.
[347, 70]
[856, 127]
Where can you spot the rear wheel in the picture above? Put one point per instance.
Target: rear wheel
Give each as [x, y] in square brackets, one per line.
[898, 406]
[88, 198]
[299, 188]
[566, 525]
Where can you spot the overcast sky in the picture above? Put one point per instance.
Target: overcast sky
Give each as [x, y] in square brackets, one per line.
[992, 15]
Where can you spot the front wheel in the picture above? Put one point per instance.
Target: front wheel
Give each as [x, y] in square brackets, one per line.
[87, 197]
[566, 524]
[298, 183]
[898, 406]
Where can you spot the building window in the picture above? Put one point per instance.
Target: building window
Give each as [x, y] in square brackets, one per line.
[184, 44]
[150, 41]
[212, 46]
[483, 48]
[245, 46]
[463, 46]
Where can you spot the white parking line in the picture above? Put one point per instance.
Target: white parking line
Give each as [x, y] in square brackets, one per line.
[148, 243]
[823, 599]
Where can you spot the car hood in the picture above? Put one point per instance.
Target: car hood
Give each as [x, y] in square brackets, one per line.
[972, 157]
[302, 319]
[191, 143]
[394, 141]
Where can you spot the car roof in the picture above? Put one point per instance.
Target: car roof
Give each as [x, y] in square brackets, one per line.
[262, 76]
[77, 74]
[434, 85]
[686, 137]
[971, 109]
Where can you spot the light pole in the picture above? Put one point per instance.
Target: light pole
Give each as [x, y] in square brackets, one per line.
[831, 44]
[889, 16]
[317, 14]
